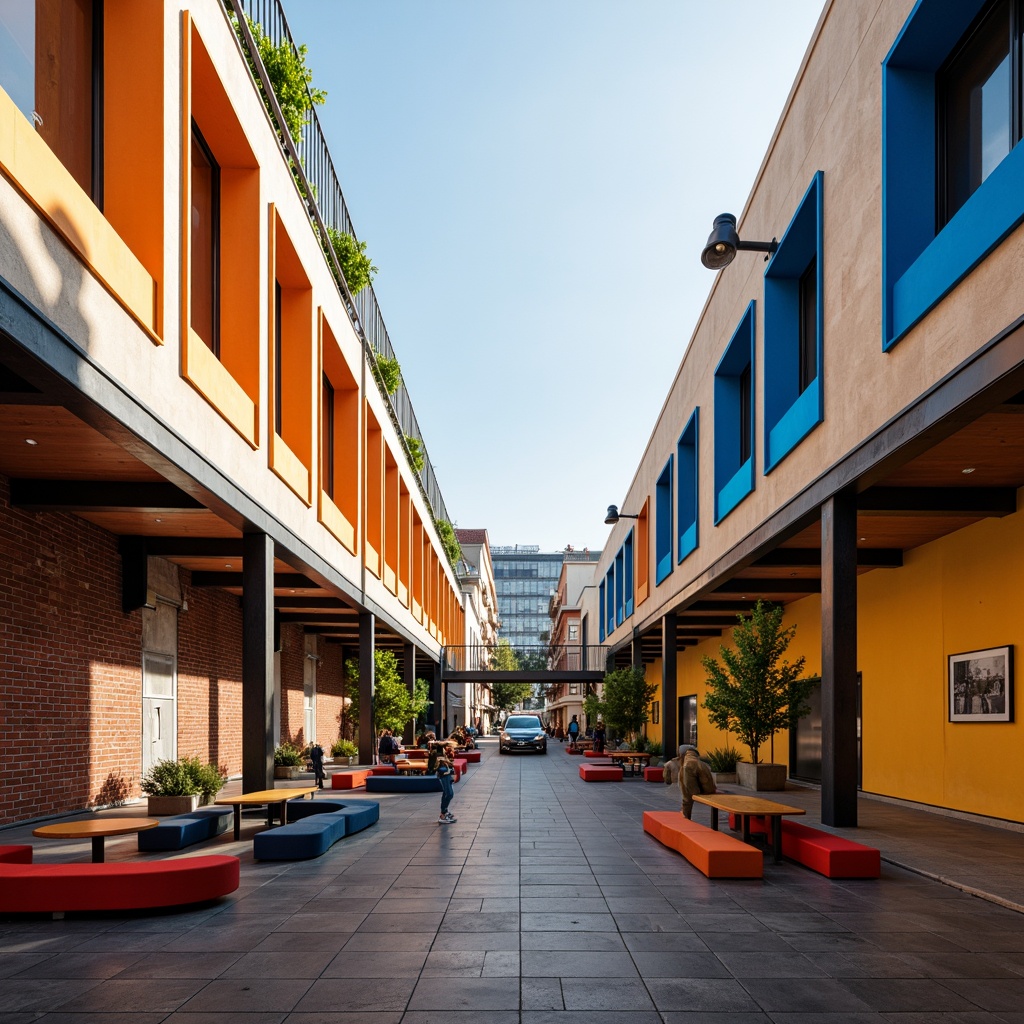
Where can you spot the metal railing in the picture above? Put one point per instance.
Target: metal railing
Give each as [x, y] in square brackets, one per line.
[317, 182]
[533, 660]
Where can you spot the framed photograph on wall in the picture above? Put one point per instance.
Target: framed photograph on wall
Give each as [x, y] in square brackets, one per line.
[981, 686]
[655, 712]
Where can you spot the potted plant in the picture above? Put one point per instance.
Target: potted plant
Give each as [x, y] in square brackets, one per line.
[344, 750]
[755, 693]
[624, 705]
[722, 761]
[209, 777]
[171, 787]
[287, 761]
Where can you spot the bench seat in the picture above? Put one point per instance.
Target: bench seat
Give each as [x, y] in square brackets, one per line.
[600, 773]
[350, 779]
[829, 855]
[713, 853]
[57, 888]
[594, 753]
[316, 827]
[183, 830]
[15, 854]
[472, 756]
[654, 773]
[403, 784]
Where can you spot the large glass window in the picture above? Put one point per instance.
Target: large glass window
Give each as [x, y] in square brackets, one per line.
[734, 419]
[51, 67]
[327, 436]
[663, 524]
[205, 232]
[688, 473]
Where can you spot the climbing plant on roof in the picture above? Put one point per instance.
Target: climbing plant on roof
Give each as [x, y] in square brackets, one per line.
[357, 267]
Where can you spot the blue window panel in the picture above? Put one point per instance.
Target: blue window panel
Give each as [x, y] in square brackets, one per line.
[789, 415]
[620, 579]
[734, 479]
[600, 612]
[920, 266]
[610, 600]
[663, 524]
[688, 477]
[627, 585]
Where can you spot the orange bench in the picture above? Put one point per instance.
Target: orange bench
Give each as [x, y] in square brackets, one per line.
[350, 780]
[600, 773]
[713, 853]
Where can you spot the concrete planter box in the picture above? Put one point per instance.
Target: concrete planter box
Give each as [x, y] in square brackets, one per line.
[762, 776]
[286, 771]
[157, 805]
[725, 778]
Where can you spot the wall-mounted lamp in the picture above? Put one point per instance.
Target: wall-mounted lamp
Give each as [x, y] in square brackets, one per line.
[614, 515]
[723, 243]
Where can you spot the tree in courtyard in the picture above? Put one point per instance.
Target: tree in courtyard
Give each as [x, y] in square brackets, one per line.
[506, 696]
[393, 706]
[625, 703]
[755, 694]
[503, 658]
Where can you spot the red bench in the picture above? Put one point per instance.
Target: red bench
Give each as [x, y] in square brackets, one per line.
[654, 773]
[56, 888]
[829, 855]
[15, 854]
[600, 773]
[350, 780]
[715, 854]
[472, 756]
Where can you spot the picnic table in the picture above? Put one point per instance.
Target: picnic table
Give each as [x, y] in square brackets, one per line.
[271, 797]
[746, 807]
[634, 760]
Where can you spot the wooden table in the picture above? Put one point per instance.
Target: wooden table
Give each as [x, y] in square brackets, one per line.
[271, 797]
[745, 807]
[411, 765]
[96, 829]
[632, 759]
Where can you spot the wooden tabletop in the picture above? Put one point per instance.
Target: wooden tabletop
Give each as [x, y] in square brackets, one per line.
[738, 804]
[266, 796]
[634, 755]
[94, 827]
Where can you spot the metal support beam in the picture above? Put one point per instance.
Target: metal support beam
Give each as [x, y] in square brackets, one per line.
[257, 662]
[367, 739]
[669, 699]
[638, 652]
[436, 712]
[409, 664]
[134, 573]
[839, 660]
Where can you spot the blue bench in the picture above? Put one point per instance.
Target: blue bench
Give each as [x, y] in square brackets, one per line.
[313, 828]
[185, 829]
[403, 784]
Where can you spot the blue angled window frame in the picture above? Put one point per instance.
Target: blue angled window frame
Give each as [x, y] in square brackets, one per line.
[663, 524]
[734, 475]
[920, 265]
[609, 589]
[627, 574]
[789, 413]
[620, 579]
[600, 613]
[687, 487]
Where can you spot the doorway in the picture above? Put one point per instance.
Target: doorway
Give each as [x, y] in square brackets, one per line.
[805, 740]
[159, 684]
[687, 722]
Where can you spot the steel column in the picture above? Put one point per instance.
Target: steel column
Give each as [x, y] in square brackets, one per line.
[669, 699]
[367, 739]
[257, 662]
[409, 664]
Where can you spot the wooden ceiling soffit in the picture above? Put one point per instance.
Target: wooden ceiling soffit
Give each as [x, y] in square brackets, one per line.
[757, 585]
[100, 496]
[227, 580]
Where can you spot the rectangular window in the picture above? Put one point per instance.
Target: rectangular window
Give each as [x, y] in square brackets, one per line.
[51, 65]
[688, 474]
[327, 438]
[574, 632]
[601, 612]
[627, 565]
[205, 241]
[793, 328]
[734, 418]
[610, 598]
[663, 524]
[620, 581]
[278, 362]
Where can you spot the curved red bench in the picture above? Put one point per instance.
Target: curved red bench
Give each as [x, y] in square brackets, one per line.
[472, 756]
[56, 888]
[15, 854]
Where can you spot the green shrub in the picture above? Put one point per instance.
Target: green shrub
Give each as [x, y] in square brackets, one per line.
[287, 755]
[170, 778]
[722, 759]
[416, 459]
[357, 267]
[208, 777]
[344, 748]
[389, 373]
[654, 749]
[452, 547]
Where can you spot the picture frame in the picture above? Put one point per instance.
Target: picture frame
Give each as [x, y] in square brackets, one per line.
[981, 685]
[655, 712]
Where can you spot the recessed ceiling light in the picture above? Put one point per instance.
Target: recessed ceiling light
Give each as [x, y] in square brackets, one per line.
[31, 440]
[227, 565]
[157, 520]
[862, 538]
[968, 470]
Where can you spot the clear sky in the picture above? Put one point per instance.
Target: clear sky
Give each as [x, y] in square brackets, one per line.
[535, 180]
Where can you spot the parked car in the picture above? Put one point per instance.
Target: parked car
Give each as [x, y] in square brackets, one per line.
[523, 732]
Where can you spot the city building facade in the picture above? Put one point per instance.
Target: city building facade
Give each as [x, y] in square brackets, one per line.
[844, 432]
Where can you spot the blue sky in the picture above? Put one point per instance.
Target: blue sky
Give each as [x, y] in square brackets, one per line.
[535, 181]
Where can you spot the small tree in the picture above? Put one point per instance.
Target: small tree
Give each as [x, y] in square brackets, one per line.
[626, 702]
[503, 659]
[505, 696]
[393, 705]
[756, 694]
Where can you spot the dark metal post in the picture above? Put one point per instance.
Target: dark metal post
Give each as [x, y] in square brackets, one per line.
[367, 740]
[409, 663]
[669, 699]
[636, 651]
[436, 710]
[839, 660]
[257, 662]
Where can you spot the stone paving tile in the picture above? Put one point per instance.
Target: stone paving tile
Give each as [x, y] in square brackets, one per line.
[577, 964]
[479, 994]
[156, 995]
[498, 941]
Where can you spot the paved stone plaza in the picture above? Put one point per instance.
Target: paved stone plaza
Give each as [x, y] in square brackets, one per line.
[546, 903]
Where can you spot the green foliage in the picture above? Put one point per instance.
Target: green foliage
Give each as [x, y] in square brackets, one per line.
[755, 694]
[593, 707]
[357, 267]
[503, 658]
[344, 748]
[506, 696]
[393, 705]
[350, 689]
[290, 79]
[452, 547]
[388, 372]
[287, 755]
[420, 699]
[416, 458]
[654, 748]
[184, 777]
[626, 701]
[722, 759]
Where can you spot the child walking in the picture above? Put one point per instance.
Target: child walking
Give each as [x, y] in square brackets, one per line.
[440, 764]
